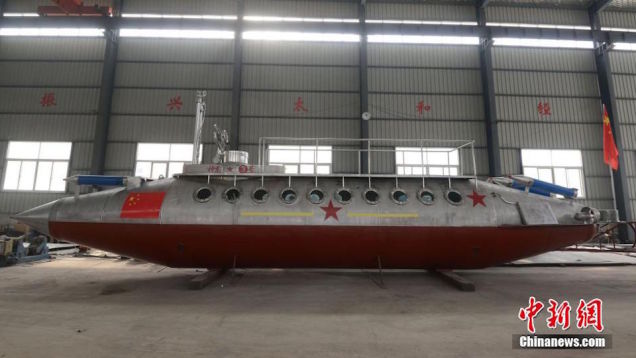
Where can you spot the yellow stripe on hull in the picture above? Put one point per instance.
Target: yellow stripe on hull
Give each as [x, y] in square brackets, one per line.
[384, 216]
[276, 214]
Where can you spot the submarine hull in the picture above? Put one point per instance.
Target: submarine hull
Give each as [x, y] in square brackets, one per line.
[270, 246]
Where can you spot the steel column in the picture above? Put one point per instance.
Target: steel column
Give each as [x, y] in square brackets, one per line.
[3, 6]
[599, 6]
[102, 124]
[364, 85]
[488, 94]
[608, 97]
[237, 73]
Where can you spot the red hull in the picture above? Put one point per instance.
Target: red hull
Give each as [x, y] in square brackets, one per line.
[322, 246]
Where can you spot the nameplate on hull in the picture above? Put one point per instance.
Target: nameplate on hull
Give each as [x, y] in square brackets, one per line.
[231, 169]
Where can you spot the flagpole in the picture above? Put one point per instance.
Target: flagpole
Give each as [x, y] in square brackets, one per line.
[609, 166]
[613, 191]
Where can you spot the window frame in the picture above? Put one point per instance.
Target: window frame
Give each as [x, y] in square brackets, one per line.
[37, 161]
[313, 148]
[582, 191]
[166, 162]
[427, 167]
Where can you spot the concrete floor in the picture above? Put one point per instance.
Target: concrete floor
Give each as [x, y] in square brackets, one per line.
[91, 307]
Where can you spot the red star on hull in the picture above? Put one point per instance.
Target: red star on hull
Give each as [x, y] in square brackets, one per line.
[330, 211]
[477, 198]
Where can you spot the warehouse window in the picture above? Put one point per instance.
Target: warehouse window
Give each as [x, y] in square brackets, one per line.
[162, 160]
[300, 36]
[176, 34]
[298, 19]
[184, 17]
[560, 167]
[37, 166]
[538, 26]
[422, 22]
[426, 161]
[21, 14]
[617, 29]
[624, 46]
[525, 42]
[418, 39]
[300, 159]
[50, 31]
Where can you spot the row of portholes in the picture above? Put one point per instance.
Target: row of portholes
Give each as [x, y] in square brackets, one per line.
[317, 196]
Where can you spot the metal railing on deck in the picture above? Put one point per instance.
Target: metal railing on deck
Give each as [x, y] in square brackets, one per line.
[370, 151]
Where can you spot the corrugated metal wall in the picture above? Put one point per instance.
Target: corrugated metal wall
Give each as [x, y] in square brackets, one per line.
[70, 68]
[566, 80]
[420, 11]
[302, 8]
[529, 15]
[153, 73]
[618, 19]
[624, 74]
[299, 89]
[181, 7]
[443, 80]
[325, 76]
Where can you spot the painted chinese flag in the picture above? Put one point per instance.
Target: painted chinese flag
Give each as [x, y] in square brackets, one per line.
[610, 152]
[142, 205]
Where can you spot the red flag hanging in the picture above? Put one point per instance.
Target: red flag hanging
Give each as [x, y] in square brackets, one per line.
[610, 152]
[142, 205]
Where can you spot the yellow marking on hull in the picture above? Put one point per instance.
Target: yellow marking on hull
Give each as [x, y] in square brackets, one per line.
[276, 214]
[384, 216]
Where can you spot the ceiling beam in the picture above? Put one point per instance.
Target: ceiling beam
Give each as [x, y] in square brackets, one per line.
[599, 5]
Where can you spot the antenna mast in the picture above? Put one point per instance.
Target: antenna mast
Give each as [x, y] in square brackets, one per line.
[198, 125]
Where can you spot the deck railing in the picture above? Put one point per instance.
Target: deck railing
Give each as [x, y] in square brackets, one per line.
[370, 151]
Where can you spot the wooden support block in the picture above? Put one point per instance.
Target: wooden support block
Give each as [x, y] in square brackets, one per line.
[456, 280]
[200, 281]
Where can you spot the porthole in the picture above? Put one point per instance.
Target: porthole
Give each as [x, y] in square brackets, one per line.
[371, 196]
[203, 194]
[232, 194]
[260, 195]
[399, 196]
[288, 195]
[343, 196]
[426, 196]
[454, 197]
[316, 196]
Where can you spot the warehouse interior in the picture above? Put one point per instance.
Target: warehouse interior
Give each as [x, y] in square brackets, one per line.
[111, 89]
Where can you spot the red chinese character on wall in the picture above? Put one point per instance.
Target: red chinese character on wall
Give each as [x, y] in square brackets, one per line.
[175, 103]
[421, 107]
[48, 100]
[559, 315]
[530, 312]
[544, 109]
[590, 314]
[300, 106]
